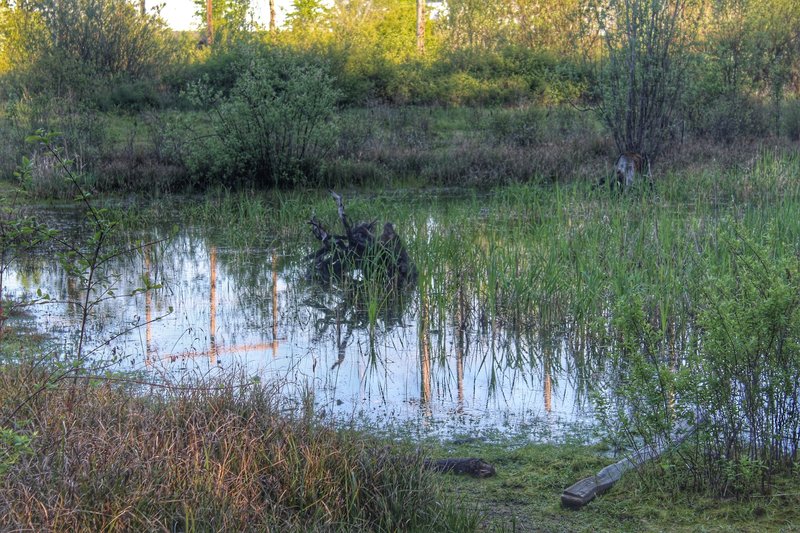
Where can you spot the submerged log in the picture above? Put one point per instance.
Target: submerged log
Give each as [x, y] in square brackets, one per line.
[360, 249]
[470, 465]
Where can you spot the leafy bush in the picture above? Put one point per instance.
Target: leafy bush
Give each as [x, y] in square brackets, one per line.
[219, 69]
[747, 371]
[729, 117]
[74, 48]
[273, 129]
[740, 372]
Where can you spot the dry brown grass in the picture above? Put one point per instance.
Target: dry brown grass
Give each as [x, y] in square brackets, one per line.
[230, 456]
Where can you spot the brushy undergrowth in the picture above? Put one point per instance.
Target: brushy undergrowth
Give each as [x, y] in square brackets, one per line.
[158, 152]
[226, 456]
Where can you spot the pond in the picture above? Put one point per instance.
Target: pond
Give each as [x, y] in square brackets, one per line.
[393, 363]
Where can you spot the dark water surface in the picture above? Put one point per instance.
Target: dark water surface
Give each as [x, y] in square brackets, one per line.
[255, 310]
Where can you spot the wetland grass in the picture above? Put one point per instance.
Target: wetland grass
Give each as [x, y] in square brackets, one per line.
[555, 256]
[119, 455]
[549, 257]
[535, 265]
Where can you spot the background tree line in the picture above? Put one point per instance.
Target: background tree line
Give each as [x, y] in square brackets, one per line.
[494, 52]
[653, 70]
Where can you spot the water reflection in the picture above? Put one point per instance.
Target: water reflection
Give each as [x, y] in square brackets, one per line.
[381, 360]
[214, 349]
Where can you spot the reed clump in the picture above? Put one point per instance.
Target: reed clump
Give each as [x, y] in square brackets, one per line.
[233, 455]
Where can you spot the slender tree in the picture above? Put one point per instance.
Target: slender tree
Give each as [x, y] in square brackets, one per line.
[210, 20]
[421, 26]
[272, 16]
[644, 67]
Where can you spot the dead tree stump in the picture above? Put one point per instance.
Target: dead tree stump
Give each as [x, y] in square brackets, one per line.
[359, 249]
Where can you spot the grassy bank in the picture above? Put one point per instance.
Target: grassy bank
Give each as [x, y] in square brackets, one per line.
[525, 494]
[117, 454]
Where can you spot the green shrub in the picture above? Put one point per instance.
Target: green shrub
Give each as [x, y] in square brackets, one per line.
[747, 371]
[273, 129]
[219, 70]
[72, 49]
[739, 371]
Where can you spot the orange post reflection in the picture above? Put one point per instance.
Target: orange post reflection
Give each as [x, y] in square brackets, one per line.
[548, 392]
[212, 305]
[148, 310]
[462, 326]
[274, 304]
[547, 350]
[214, 349]
[425, 357]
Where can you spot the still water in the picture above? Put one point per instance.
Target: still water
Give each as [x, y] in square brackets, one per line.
[256, 311]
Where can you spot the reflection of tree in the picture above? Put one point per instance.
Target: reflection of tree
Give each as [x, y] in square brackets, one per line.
[214, 348]
[424, 353]
[212, 305]
[351, 306]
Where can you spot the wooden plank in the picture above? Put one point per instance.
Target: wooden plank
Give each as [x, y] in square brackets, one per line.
[579, 494]
[585, 490]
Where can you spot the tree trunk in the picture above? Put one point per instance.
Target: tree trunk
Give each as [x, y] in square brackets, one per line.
[272, 16]
[209, 20]
[421, 26]
[142, 7]
[360, 248]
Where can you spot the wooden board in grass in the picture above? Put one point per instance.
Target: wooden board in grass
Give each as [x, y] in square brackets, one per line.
[579, 494]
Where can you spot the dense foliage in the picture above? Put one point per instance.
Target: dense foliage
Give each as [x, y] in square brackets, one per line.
[495, 52]
[658, 75]
[272, 129]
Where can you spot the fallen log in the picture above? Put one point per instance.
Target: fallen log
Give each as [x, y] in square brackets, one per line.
[469, 465]
[579, 494]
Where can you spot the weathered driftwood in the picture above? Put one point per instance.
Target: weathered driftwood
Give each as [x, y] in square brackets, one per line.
[360, 249]
[470, 465]
[585, 490]
[629, 167]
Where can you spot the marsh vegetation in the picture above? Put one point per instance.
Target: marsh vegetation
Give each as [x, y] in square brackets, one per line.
[169, 362]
